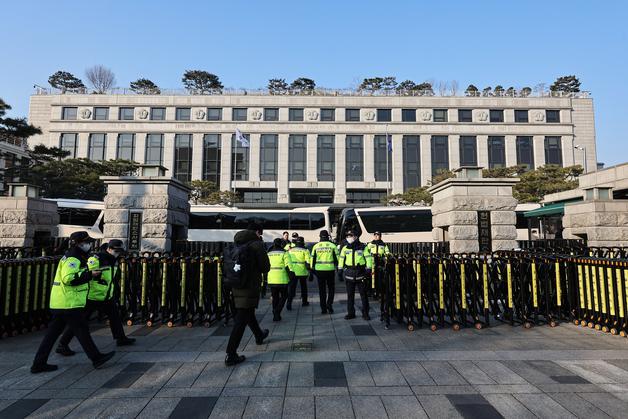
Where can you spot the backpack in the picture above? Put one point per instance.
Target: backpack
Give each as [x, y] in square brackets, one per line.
[236, 263]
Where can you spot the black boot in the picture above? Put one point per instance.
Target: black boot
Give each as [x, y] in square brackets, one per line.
[36, 369]
[234, 359]
[64, 350]
[265, 334]
[350, 316]
[125, 341]
[102, 358]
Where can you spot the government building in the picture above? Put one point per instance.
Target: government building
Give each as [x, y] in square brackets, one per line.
[330, 147]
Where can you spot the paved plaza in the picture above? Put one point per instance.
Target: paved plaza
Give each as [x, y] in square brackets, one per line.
[326, 367]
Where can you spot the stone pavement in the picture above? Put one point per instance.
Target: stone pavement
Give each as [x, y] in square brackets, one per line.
[326, 367]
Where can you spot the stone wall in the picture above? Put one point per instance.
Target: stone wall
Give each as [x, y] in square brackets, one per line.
[604, 223]
[162, 201]
[22, 217]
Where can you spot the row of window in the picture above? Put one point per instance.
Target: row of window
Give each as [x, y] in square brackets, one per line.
[325, 156]
[296, 114]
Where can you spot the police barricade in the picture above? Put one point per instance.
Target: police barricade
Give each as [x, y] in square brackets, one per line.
[24, 293]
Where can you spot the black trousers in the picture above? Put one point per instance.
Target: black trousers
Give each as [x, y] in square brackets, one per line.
[73, 318]
[243, 317]
[292, 288]
[107, 307]
[351, 285]
[280, 294]
[326, 288]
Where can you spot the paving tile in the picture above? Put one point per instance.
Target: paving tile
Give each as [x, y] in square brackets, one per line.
[22, 408]
[159, 408]
[578, 406]
[499, 373]
[243, 375]
[368, 407]
[272, 374]
[508, 406]
[381, 391]
[358, 374]
[363, 330]
[438, 406]
[386, 374]
[68, 377]
[334, 406]
[608, 403]
[329, 374]
[471, 372]
[403, 407]
[194, 408]
[443, 373]
[222, 331]
[229, 407]
[298, 407]
[317, 391]
[613, 373]
[128, 375]
[569, 388]
[506, 388]
[543, 406]
[215, 374]
[186, 375]
[53, 393]
[473, 406]
[178, 392]
[145, 330]
[253, 391]
[124, 408]
[89, 408]
[263, 407]
[301, 374]
[528, 373]
[461, 389]
[414, 373]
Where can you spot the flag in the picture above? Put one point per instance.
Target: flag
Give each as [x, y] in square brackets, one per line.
[389, 143]
[241, 138]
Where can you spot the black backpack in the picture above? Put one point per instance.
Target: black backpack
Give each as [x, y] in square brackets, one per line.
[236, 263]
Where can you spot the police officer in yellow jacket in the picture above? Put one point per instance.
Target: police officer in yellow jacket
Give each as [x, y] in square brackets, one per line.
[67, 304]
[100, 295]
[300, 269]
[324, 263]
[278, 277]
[355, 262]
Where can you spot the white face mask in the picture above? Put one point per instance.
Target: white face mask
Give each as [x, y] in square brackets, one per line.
[350, 240]
[85, 247]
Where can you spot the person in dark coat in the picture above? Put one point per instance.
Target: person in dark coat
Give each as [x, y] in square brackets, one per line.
[247, 299]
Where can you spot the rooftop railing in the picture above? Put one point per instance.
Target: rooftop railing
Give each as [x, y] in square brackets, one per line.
[316, 92]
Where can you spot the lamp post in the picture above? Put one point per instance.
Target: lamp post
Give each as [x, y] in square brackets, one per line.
[583, 149]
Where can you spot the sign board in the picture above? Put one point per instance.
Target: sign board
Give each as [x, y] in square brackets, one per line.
[484, 231]
[135, 231]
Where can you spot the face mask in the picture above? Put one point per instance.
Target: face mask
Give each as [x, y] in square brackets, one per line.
[116, 254]
[350, 240]
[85, 247]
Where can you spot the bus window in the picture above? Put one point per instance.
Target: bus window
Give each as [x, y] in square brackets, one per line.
[273, 221]
[205, 221]
[397, 221]
[78, 216]
[348, 221]
[317, 221]
[299, 221]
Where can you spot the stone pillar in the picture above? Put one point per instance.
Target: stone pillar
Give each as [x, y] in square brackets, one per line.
[458, 202]
[26, 218]
[599, 219]
[149, 212]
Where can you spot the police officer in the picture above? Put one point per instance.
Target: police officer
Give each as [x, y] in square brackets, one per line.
[100, 295]
[278, 277]
[68, 298]
[379, 251]
[299, 258]
[324, 262]
[355, 262]
[377, 247]
[290, 245]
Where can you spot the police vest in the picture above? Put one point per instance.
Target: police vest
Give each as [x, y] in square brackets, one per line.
[63, 295]
[356, 257]
[378, 249]
[100, 289]
[289, 246]
[278, 263]
[325, 256]
[299, 260]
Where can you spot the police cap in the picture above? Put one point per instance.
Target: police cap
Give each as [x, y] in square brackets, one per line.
[80, 237]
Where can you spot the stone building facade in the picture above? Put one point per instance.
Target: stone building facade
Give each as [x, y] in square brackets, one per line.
[327, 148]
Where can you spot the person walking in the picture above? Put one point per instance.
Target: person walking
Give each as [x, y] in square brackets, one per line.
[355, 262]
[299, 258]
[100, 295]
[278, 277]
[324, 261]
[246, 299]
[68, 298]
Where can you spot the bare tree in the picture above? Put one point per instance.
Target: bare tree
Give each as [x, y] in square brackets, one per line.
[442, 88]
[453, 87]
[101, 78]
[540, 88]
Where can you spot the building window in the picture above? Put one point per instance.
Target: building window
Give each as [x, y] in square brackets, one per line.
[258, 197]
[553, 151]
[295, 114]
[68, 113]
[411, 161]
[69, 142]
[214, 114]
[158, 114]
[521, 115]
[297, 158]
[328, 114]
[238, 114]
[359, 196]
[440, 115]
[268, 157]
[271, 114]
[325, 157]
[97, 144]
[382, 174]
[154, 149]
[440, 154]
[211, 158]
[101, 114]
[183, 114]
[552, 116]
[468, 150]
[241, 156]
[183, 157]
[525, 152]
[354, 158]
[311, 196]
[126, 114]
[465, 115]
[496, 115]
[408, 115]
[126, 147]
[496, 152]
[384, 115]
[352, 115]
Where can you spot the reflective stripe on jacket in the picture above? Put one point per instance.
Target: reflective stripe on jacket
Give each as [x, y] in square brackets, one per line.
[324, 256]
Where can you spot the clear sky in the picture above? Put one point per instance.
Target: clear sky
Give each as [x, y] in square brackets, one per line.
[336, 43]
